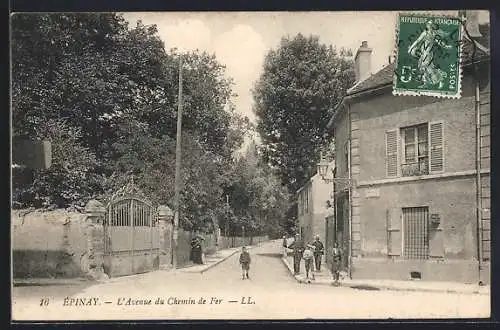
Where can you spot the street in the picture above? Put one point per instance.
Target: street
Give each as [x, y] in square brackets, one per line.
[220, 293]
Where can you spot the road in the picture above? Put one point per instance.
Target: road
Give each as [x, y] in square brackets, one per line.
[220, 293]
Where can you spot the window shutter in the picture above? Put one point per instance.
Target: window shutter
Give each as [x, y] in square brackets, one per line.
[436, 144]
[436, 243]
[394, 234]
[391, 152]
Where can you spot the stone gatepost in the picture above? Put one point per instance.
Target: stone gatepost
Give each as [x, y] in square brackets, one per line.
[165, 217]
[95, 240]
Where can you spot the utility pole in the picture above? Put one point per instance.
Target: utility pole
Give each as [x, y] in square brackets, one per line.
[227, 214]
[178, 154]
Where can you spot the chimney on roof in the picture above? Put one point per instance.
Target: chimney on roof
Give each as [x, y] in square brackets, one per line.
[362, 61]
[471, 22]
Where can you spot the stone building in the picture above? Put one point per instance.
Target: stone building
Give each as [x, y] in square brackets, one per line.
[312, 199]
[410, 209]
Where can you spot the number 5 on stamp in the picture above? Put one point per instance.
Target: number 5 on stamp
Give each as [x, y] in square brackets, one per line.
[429, 49]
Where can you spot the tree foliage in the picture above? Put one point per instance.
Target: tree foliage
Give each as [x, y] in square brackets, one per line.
[261, 199]
[105, 94]
[302, 82]
[71, 177]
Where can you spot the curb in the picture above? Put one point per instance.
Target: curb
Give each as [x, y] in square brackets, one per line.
[51, 281]
[218, 261]
[384, 287]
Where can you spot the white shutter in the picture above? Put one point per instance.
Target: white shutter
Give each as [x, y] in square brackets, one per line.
[436, 147]
[394, 232]
[391, 152]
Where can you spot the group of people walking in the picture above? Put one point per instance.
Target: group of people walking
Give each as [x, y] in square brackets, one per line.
[312, 255]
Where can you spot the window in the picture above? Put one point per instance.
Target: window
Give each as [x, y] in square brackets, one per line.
[415, 150]
[416, 232]
[415, 145]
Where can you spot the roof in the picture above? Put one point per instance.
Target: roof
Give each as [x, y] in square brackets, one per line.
[386, 75]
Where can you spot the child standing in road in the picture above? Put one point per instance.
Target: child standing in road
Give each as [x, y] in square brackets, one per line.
[309, 258]
[245, 262]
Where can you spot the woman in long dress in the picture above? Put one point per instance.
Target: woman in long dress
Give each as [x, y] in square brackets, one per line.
[423, 48]
[196, 250]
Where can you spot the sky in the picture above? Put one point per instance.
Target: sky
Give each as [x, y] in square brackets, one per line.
[240, 40]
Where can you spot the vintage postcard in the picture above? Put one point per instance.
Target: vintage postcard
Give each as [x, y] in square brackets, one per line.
[250, 165]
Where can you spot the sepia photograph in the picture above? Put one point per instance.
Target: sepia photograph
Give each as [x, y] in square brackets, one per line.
[250, 165]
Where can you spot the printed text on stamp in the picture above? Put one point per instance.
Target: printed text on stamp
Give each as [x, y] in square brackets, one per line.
[428, 56]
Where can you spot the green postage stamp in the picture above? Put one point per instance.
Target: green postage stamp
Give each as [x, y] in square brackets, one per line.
[429, 50]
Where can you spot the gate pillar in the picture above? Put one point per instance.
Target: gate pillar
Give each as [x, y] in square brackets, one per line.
[95, 240]
[165, 216]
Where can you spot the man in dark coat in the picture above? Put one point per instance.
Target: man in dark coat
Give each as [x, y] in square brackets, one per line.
[318, 253]
[298, 249]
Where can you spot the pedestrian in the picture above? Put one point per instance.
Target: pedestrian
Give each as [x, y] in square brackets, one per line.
[245, 261]
[196, 249]
[285, 246]
[309, 259]
[318, 253]
[336, 264]
[298, 248]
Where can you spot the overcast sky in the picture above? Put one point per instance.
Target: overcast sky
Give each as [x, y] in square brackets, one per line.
[240, 40]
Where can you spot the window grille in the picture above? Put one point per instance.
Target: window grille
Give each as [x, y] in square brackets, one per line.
[416, 232]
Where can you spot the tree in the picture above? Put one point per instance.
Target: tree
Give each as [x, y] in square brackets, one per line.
[295, 96]
[70, 179]
[117, 87]
[257, 196]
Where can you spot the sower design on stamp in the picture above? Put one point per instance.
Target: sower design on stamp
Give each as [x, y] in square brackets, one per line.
[428, 56]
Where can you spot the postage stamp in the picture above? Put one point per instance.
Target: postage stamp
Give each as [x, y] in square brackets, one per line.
[429, 51]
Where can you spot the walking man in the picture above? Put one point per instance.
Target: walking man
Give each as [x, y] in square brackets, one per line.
[298, 248]
[318, 253]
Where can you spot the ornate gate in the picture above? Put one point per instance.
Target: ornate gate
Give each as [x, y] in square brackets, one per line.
[131, 233]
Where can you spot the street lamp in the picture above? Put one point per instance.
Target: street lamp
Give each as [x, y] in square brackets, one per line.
[323, 168]
[323, 171]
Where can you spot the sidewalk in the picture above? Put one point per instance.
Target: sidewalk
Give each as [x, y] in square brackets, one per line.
[325, 278]
[210, 261]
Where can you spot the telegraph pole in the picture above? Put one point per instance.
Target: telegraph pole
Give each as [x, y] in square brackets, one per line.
[178, 154]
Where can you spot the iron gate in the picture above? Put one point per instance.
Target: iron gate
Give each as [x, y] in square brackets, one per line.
[416, 232]
[131, 233]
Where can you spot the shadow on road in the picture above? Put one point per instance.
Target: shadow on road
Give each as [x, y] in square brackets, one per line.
[273, 255]
[364, 287]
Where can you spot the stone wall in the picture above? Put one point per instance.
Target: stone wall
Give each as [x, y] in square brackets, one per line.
[52, 244]
[63, 244]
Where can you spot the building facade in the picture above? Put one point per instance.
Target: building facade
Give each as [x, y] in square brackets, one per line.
[313, 208]
[408, 208]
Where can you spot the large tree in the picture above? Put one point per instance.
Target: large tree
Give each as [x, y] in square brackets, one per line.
[302, 82]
